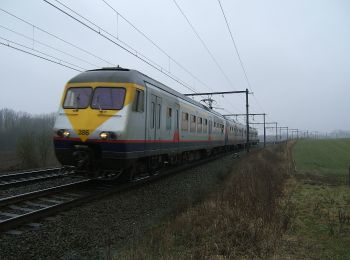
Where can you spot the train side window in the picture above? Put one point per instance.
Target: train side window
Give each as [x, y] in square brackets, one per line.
[193, 124]
[199, 125]
[153, 115]
[138, 104]
[184, 121]
[168, 118]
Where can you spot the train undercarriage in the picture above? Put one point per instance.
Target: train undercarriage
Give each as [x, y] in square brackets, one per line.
[89, 161]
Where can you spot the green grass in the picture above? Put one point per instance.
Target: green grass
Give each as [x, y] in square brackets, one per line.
[317, 221]
[331, 156]
[325, 165]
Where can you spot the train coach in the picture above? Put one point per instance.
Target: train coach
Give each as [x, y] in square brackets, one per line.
[120, 122]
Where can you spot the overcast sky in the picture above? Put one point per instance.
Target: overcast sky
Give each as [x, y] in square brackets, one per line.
[296, 53]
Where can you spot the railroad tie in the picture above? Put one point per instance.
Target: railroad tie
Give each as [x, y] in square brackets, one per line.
[21, 208]
[6, 214]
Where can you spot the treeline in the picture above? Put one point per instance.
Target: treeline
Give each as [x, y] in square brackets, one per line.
[30, 136]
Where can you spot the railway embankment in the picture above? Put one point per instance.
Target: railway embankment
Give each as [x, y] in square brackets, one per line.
[94, 229]
[285, 202]
[247, 217]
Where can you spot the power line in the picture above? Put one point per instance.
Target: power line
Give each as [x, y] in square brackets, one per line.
[159, 48]
[47, 45]
[75, 46]
[234, 44]
[205, 46]
[56, 37]
[203, 43]
[101, 31]
[237, 52]
[108, 36]
[59, 62]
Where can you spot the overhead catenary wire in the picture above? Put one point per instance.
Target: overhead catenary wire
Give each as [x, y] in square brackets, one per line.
[110, 37]
[102, 33]
[50, 34]
[48, 46]
[205, 47]
[56, 37]
[235, 46]
[203, 43]
[237, 52]
[157, 46]
[58, 62]
[69, 43]
[161, 49]
[133, 51]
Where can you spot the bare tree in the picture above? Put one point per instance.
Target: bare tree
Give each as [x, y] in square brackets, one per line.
[26, 151]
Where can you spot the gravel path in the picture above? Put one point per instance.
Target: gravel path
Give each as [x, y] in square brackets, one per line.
[88, 232]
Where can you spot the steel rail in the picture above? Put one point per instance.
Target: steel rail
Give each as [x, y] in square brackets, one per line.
[20, 178]
[43, 199]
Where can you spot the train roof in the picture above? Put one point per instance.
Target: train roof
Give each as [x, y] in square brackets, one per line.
[118, 74]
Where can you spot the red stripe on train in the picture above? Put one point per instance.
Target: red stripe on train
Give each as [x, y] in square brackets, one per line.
[131, 141]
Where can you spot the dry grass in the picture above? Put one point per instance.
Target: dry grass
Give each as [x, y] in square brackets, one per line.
[8, 161]
[246, 219]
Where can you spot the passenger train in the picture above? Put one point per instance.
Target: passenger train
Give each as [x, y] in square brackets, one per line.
[120, 122]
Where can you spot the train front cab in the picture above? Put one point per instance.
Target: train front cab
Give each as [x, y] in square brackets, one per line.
[92, 122]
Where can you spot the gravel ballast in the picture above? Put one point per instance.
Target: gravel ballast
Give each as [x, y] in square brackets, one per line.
[103, 227]
[38, 186]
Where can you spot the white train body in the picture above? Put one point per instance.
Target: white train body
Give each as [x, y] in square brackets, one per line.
[112, 118]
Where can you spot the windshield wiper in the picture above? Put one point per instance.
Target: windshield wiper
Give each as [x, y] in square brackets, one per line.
[98, 103]
[77, 102]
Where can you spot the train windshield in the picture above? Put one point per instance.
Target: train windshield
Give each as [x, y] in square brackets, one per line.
[108, 98]
[77, 97]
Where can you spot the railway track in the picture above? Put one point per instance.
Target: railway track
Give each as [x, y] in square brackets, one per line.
[25, 208]
[21, 178]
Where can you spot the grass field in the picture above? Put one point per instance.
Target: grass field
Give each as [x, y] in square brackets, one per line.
[322, 198]
[331, 156]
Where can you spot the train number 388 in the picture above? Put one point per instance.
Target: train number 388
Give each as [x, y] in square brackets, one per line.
[83, 132]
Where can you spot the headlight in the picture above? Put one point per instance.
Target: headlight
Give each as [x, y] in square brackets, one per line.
[63, 133]
[108, 135]
[66, 133]
[104, 135]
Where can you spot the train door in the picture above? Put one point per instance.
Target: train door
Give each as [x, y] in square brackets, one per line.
[210, 129]
[227, 128]
[154, 130]
[177, 127]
